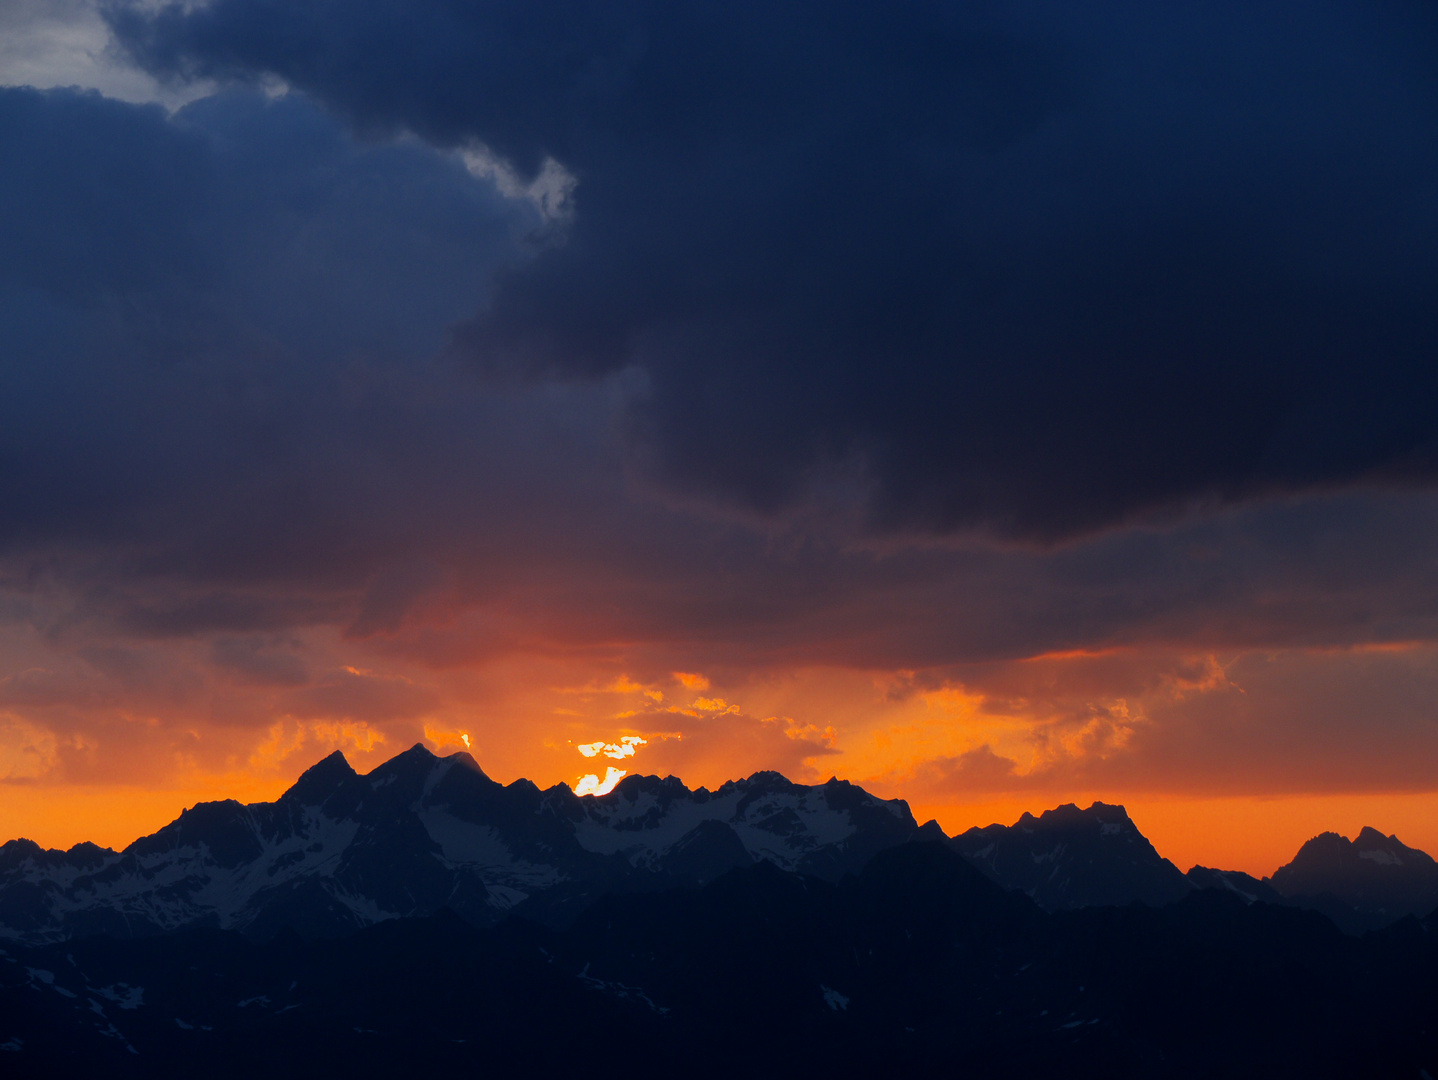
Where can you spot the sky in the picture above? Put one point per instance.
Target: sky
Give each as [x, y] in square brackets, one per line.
[995, 405]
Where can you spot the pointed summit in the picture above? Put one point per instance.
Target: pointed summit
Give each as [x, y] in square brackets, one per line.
[465, 760]
[405, 775]
[1375, 873]
[416, 761]
[1372, 844]
[321, 780]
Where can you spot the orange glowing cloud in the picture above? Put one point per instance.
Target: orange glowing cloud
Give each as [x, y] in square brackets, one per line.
[1143, 727]
[27, 751]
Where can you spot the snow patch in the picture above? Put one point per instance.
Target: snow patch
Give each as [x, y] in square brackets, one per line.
[123, 995]
[1381, 857]
[480, 848]
[618, 989]
[1049, 856]
[644, 830]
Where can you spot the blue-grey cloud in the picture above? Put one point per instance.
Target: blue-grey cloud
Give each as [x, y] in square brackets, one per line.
[1034, 268]
[231, 417]
[221, 327]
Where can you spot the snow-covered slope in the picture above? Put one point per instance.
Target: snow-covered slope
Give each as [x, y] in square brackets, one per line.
[420, 833]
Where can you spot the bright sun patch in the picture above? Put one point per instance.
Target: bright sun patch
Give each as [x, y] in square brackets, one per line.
[590, 784]
[622, 749]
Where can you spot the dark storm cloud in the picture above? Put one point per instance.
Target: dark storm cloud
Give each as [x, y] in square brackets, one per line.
[1035, 268]
[228, 418]
[219, 329]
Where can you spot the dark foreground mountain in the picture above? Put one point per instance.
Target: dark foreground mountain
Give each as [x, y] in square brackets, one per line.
[917, 966]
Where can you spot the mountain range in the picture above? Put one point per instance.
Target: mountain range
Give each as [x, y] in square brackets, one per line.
[424, 918]
[419, 834]
[339, 851]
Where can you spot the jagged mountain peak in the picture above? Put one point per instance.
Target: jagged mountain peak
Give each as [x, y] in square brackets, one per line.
[635, 785]
[14, 852]
[321, 780]
[763, 782]
[1375, 873]
[417, 756]
[1331, 846]
[408, 771]
[465, 760]
[340, 850]
[1386, 850]
[419, 832]
[1068, 857]
[82, 856]
[1071, 814]
[1332, 849]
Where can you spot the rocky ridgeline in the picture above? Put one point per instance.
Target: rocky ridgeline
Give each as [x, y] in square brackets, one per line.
[421, 834]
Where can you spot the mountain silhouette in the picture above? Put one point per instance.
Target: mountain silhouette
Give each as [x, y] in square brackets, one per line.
[339, 851]
[419, 834]
[423, 918]
[1071, 858]
[1360, 885]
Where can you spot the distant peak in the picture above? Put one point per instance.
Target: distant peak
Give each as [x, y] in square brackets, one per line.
[320, 780]
[335, 764]
[1117, 808]
[930, 830]
[85, 847]
[1326, 841]
[636, 784]
[463, 759]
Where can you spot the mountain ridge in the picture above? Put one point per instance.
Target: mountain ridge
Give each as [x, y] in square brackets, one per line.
[339, 850]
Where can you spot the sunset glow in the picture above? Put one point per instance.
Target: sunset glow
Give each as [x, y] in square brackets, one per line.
[1064, 442]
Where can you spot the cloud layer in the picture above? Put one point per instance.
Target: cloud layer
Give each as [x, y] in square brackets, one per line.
[972, 400]
[1031, 268]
